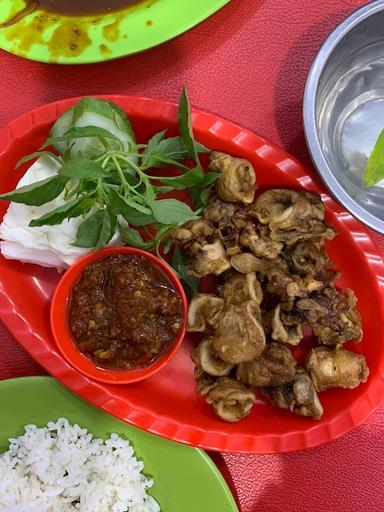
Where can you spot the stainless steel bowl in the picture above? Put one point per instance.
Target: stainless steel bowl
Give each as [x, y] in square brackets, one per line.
[344, 110]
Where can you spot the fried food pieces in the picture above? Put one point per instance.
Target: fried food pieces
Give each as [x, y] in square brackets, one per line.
[206, 359]
[336, 368]
[231, 400]
[274, 281]
[298, 396]
[332, 315]
[237, 183]
[204, 312]
[274, 367]
[239, 335]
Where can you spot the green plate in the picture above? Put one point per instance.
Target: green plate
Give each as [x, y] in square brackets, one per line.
[69, 40]
[186, 480]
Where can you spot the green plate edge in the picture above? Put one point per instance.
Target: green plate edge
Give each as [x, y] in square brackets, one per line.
[185, 478]
[169, 18]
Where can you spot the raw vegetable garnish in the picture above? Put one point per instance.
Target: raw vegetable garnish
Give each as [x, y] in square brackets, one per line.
[107, 178]
[374, 169]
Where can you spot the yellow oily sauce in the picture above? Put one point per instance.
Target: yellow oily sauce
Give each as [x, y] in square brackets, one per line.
[65, 26]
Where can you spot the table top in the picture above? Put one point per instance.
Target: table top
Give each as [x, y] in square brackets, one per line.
[247, 63]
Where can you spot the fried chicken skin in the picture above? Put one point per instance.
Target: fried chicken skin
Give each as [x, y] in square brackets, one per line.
[192, 235]
[245, 263]
[286, 328]
[332, 314]
[298, 396]
[238, 288]
[204, 357]
[286, 209]
[274, 280]
[224, 215]
[204, 312]
[209, 258]
[258, 240]
[309, 259]
[231, 400]
[274, 367]
[292, 215]
[336, 368]
[237, 182]
[239, 335]
[227, 219]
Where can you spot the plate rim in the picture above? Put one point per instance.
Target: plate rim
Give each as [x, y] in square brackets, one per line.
[172, 428]
[186, 26]
[205, 458]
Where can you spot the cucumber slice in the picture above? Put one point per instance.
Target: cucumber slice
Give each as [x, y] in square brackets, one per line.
[99, 113]
[122, 118]
[62, 125]
[105, 109]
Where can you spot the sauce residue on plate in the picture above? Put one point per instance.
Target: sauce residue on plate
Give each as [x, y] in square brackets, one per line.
[73, 7]
[68, 33]
[124, 313]
[68, 38]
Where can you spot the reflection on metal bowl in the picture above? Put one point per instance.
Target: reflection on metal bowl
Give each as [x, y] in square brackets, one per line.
[344, 110]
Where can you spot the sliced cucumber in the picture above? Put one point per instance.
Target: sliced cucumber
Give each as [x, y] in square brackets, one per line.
[99, 113]
[62, 125]
[123, 119]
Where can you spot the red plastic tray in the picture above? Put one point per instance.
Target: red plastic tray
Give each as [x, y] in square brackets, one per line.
[167, 404]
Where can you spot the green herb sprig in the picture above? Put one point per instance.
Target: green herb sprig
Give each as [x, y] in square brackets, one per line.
[111, 185]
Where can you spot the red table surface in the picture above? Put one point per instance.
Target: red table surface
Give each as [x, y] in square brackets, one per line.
[247, 63]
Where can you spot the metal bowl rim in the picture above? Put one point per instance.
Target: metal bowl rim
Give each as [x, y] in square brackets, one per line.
[309, 115]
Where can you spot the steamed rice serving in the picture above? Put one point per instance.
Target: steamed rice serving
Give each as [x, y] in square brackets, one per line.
[62, 468]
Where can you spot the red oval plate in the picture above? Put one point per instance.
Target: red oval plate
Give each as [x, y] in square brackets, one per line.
[167, 404]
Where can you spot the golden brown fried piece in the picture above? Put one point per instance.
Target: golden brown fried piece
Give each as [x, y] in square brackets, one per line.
[192, 235]
[204, 357]
[246, 263]
[286, 328]
[287, 286]
[274, 367]
[318, 230]
[230, 399]
[228, 219]
[260, 243]
[336, 368]
[332, 314]
[238, 288]
[286, 209]
[204, 381]
[298, 396]
[225, 215]
[237, 182]
[209, 258]
[204, 312]
[310, 259]
[206, 252]
[239, 336]
[281, 284]
[292, 215]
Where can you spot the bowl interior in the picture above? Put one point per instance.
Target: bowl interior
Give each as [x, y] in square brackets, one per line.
[349, 109]
[63, 336]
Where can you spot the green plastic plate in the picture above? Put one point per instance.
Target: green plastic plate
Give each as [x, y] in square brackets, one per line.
[68, 40]
[186, 480]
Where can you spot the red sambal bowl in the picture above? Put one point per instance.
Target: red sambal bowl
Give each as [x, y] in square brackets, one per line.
[62, 332]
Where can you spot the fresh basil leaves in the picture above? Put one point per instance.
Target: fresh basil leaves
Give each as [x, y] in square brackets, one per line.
[104, 176]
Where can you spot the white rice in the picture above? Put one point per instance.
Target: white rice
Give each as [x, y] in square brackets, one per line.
[61, 468]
